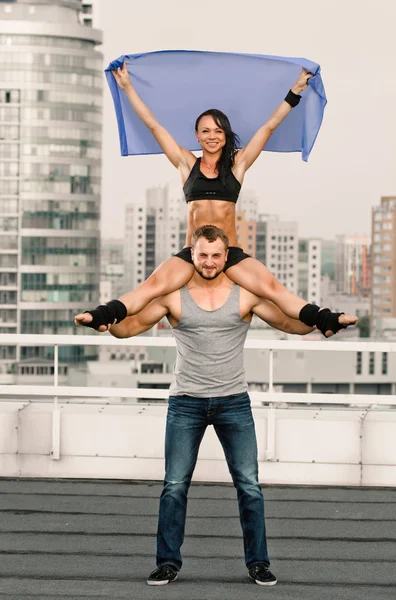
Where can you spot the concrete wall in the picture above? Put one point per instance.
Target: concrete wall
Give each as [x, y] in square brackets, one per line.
[313, 446]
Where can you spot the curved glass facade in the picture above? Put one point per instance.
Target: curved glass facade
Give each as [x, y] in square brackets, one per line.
[50, 171]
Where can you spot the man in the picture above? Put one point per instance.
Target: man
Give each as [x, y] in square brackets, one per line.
[210, 317]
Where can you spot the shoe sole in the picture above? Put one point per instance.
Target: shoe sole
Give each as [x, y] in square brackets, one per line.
[161, 582]
[263, 582]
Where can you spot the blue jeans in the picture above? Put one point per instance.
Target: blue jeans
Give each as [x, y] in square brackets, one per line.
[186, 423]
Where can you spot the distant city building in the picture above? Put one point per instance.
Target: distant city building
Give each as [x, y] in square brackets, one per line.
[50, 174]
[295, 371]
[309, 269]
[353, 265]
[352, 305]
[152, 232]
[112, 284]
[90, 13]
[383, 292]
[246, 233]
[248, 204]
[328, 258]
[277, 248]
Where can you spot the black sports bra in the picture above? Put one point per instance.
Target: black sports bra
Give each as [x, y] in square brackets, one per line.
[200, 187]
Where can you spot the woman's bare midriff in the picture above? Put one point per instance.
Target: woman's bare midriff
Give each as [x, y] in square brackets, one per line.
[212, 212]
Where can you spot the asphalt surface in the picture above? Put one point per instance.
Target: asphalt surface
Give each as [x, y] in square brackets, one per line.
[73, 539]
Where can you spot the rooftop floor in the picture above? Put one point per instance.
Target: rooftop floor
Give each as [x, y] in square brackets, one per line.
[73, 539]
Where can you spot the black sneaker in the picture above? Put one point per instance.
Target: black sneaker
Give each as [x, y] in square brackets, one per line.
[261, 574]
[162, 575]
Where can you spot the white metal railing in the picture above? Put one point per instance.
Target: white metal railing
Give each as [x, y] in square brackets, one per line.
[95, 395]
[56, 391]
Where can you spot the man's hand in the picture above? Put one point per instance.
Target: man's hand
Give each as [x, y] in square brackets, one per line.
[122, 78]
[302, 82]
[86, 318]
[343, 320]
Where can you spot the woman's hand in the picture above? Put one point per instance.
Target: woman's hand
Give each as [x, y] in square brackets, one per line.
[302, 82]
[122, 78]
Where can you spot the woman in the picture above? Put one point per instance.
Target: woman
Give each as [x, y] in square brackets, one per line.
[211, 185]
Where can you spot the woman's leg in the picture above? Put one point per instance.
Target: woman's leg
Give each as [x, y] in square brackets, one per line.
[168, 277]
[256, 278]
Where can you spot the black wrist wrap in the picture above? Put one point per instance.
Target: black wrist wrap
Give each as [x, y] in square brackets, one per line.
[111, 312]
[308, 314]
[292, 98]
[324, 319]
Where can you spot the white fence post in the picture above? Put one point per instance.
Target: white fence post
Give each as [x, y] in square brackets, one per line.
[55, 452]
[270, 448]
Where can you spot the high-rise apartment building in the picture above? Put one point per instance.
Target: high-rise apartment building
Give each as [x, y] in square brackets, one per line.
[277, 248]
[50, 170]
[309, 269]
[353, 265]
[248, 204]
[152, 232]
[383, 292]
[246, 233]
[328, 258]
[90, 13]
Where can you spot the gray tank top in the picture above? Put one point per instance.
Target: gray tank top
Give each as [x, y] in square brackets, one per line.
[209, 344]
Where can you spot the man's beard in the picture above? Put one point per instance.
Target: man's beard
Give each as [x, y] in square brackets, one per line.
[200, 272]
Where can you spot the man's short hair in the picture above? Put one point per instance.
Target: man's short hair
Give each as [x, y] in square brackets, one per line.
[210, 233]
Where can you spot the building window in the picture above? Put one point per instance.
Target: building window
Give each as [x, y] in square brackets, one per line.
[371, 363]
[384, 363]
[358, 363]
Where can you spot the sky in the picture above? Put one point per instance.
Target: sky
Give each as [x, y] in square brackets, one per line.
[353, 162]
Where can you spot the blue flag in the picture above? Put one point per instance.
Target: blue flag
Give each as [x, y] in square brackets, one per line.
[178, 85]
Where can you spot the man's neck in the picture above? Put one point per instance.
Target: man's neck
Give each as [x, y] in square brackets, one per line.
[210, 284]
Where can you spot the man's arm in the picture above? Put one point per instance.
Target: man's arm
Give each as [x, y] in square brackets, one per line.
[146, 319]
[271, 314]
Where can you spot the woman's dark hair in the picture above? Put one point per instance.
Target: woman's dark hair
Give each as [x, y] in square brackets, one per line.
[232, 144]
